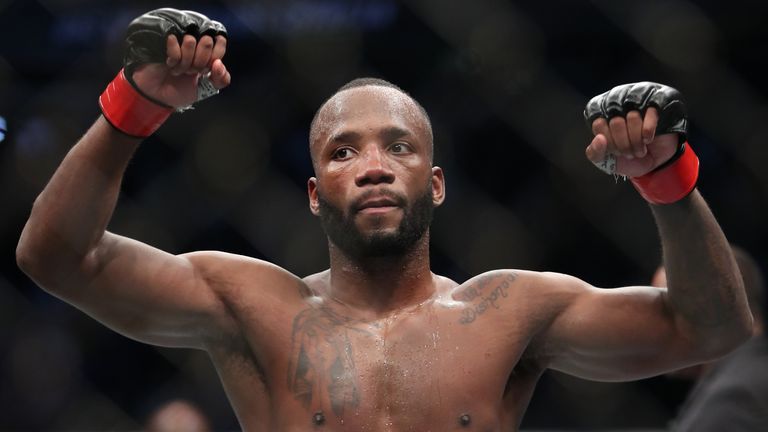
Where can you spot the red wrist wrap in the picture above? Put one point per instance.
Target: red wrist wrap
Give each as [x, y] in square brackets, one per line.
[129, 111]
[671, 183]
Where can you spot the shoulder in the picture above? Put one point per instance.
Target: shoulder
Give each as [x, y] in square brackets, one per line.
[318, 283]
[532, 284]
[227, 272]
[224, 264]
[510, 294]
[530, 299]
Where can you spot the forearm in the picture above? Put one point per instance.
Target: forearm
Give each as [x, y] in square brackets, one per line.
[706, 291]
[70, 216]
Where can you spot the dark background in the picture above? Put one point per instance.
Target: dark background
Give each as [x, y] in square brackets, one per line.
[505, 84]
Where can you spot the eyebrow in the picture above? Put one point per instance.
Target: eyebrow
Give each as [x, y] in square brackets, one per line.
[390, 133]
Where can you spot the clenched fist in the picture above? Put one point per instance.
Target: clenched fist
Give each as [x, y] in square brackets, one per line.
[638, 127]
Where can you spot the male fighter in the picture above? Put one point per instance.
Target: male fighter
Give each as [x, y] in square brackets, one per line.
[378, 341]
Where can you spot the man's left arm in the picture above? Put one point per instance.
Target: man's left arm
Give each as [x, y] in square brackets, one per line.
[634, 332]
[705, 288]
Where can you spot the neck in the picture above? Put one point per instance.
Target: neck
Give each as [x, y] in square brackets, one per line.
[379, 285]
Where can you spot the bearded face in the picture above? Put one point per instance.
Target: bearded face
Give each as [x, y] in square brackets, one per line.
[375, 187]
[339, 224]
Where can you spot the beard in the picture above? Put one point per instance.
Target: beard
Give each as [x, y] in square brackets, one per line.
[339, 226]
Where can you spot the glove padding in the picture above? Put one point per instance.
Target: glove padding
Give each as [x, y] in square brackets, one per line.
[639, 96]
[146, 36]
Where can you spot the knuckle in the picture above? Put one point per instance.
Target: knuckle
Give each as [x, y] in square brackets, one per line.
[206, 42]
[599, 123]
[616, 121]
[648, 130]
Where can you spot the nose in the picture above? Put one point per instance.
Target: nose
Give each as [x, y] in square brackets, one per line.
[374, 169]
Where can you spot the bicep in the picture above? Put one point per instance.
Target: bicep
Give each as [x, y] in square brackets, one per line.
[146, 294]
[615, 334]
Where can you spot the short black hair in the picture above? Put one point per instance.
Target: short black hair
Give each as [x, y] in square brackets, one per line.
[362, 82]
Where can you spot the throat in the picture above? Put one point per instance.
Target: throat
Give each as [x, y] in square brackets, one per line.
[378, 298]
[380, 284]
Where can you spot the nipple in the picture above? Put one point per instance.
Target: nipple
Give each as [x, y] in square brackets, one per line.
[318, 418]
[465, 419]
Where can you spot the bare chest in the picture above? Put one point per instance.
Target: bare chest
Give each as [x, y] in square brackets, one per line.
[440, 366]
[423, 369]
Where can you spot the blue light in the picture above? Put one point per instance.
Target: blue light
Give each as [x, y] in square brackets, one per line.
[243, 19]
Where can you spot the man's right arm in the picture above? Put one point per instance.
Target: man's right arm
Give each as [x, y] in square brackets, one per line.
[65, 248]
[132, 287]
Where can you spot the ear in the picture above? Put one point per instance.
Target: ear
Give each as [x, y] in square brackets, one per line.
[438, 186]
[314, 204]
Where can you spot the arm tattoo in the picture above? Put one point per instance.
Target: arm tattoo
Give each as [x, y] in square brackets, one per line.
[322, 365]
[485, 294]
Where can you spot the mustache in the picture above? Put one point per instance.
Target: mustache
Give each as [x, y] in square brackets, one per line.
[399, 199]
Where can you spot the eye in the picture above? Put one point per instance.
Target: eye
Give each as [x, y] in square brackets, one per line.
[341, 153]
[399, 147]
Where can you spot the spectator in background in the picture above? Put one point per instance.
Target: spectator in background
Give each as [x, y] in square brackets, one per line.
[178, 415]
[732, 393]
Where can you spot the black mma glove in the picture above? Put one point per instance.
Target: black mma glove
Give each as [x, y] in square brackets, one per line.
[675, 178]
[124, 105]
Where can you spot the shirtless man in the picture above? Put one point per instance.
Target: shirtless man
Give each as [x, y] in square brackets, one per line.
[378, 342]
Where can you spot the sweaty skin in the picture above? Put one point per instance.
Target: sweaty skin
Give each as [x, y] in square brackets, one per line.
[376, 342]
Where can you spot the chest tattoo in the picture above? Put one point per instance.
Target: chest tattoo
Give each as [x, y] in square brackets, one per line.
[322, 371]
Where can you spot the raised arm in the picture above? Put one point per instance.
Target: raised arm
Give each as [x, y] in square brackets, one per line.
[635, 332]
[136, 289]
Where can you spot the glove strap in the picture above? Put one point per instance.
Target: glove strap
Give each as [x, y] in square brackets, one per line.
[129, 111]
[672, 181]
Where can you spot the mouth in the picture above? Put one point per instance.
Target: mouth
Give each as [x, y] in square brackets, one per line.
[377, 210]
[377, 205]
